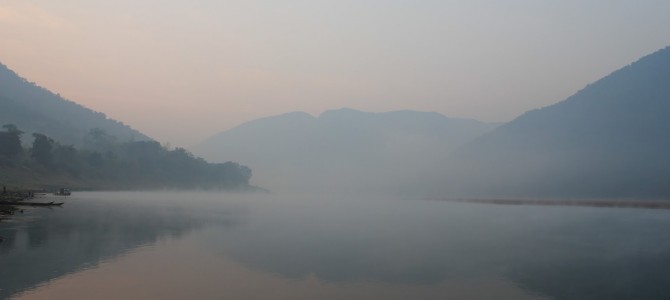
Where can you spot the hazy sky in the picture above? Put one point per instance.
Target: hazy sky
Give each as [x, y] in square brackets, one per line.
[183, 70]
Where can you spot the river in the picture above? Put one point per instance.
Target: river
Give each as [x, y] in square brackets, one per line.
[197, 245]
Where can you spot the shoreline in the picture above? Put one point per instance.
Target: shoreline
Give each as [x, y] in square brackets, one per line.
[642, 204]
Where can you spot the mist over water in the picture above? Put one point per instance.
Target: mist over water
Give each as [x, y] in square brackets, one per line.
[342, 132]
[343, 150]
[207, 246]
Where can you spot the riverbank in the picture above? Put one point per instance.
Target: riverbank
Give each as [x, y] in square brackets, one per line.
[12, 199]
[22, 179]
[624, 203]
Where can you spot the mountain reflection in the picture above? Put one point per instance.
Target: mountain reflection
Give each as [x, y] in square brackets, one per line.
[44, 244]
[562, 253]
[336, 246]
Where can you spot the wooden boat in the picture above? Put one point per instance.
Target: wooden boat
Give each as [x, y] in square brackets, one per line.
[52, 203]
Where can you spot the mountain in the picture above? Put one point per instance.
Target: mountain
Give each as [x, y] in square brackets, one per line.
[35, 109]
[341, 149]
[67, 152]
[611, 139]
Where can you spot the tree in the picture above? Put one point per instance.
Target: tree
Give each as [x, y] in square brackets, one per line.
[65, 155]
[66, 158]
[10, 141]
[99, 140]
[41, 151]
[94, 159]
[232, 174]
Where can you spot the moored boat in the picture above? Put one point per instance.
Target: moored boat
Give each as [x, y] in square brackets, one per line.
[52, 203]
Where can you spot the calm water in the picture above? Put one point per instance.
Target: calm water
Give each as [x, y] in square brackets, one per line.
[213, 246]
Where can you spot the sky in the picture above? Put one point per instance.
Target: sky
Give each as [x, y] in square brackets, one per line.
[181, 71]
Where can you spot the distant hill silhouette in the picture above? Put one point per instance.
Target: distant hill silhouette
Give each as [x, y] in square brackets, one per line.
[611, 139]
[36, 109]
[341, 149]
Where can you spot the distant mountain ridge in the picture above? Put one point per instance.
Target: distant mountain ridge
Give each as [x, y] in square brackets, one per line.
[611, 139]
[35, 109]
[341, 149]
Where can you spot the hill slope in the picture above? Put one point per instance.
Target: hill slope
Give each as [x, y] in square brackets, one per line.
[116, 157]
[341, 149]
[610, 139]
[35, 109]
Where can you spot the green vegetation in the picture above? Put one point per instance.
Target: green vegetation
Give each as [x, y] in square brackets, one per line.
[104, 163]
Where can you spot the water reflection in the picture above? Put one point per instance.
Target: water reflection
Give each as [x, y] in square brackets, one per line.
[560, 252]
[44, 244]
[207, 246]
[156, 274]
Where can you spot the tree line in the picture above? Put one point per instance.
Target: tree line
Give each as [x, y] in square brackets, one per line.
[103, 161]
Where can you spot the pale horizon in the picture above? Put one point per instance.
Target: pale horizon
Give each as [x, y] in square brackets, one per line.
[181, 71]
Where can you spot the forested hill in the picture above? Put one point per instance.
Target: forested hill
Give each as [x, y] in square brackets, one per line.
[47, 142]
[36, 109]
[610, 139]
[105, 163]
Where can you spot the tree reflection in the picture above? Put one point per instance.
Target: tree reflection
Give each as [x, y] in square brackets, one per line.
[44, 244]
